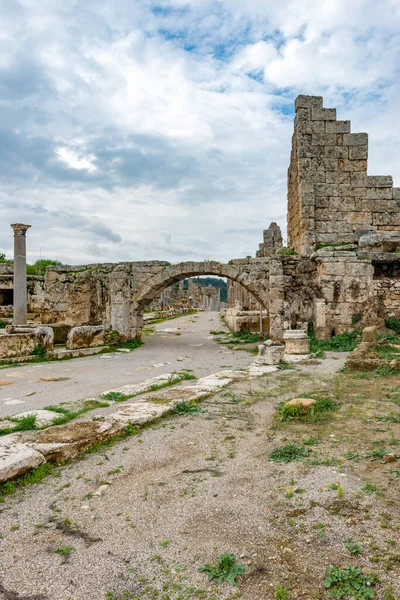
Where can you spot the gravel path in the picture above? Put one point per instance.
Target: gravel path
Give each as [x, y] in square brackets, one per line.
[142, 516]
[163, 352]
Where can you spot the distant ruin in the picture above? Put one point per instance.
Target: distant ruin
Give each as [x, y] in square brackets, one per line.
[341, 266]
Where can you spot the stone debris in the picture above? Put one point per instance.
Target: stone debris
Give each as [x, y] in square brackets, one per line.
[85, 337]
[17, 458]
[5, 382]
[303, 403]
[269, 353]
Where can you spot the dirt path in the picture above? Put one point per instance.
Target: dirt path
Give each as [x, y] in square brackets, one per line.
[180, 343]
[136, 520]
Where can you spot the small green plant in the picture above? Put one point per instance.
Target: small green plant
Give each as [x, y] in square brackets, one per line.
[287, 252]
[289, 453]
[165, 543]
[353, 547]
[64, 551]
[281, 593]
[370, 487]
[385, 371]
[40, 352]
[393, 323]
[284, 366]
[115, 396]
[343, 342]
[187, 408]
[356, 318]
[338, 487]
[311, 441]
[295, 411]
[225, 569]
[349, 581]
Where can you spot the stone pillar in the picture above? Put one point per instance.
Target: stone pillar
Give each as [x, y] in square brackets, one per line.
[20, 291]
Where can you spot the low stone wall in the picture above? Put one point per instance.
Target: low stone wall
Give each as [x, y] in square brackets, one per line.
[245, 320]
[17, 344]
[85, 337]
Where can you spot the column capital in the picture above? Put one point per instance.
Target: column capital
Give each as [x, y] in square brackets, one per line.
[20, 229]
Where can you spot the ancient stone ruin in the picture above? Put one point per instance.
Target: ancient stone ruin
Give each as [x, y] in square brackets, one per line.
[341, 266]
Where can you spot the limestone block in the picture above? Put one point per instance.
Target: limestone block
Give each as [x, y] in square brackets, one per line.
[380, 181]
[382, 193]
[326, 189]
[396, 193]
[385, 219]
[337, 127]
[323, 114]
[355, 139]
[296, 341]
[308, 102]
[62, 442]
[85, 336]
[20, 344]
[370, 335]
[17, 458]
[324, 139]
[353, 165]
[270, 353]
[380, 242]
[45, 337]
[358, 152]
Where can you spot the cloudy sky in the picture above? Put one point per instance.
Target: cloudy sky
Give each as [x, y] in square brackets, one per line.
[144, 129]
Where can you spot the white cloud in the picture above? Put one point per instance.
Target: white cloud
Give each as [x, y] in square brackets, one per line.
[74, 161]
[162, 129]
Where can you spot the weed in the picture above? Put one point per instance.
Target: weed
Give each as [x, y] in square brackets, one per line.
[165, 543]
[64, 551]
[289, 453]
[225, 569]
[115, 396]
[385, 371]
[353, 547]
[343, 342]
[187, 408]
[20, 424]
[281, 593]
[338, 487]
[295, 411]
[284, 366]
[393, 323]
[370, 487]
[356, 318]
[349, 581]
[40, 352]
[311, 441]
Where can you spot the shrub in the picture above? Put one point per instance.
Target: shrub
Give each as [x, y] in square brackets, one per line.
[225, 569]
[289, 453]
[349, 581]
[393, 323]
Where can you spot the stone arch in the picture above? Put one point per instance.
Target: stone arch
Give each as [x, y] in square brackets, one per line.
[253, 279]
[174, 273]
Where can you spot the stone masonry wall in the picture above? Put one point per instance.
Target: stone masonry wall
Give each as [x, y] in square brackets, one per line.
[331, 198]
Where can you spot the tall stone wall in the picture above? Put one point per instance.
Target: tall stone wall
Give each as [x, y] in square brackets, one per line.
[331, 199]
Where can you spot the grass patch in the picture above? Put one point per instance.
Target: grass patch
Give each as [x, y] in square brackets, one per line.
[20, 424]
[289, 453]
[34, 476]
[343, 342]
[64, 551]
[115, 396]
[393, 323]
[349, 581]
[187, 408]
[226, 569]
[289, 412]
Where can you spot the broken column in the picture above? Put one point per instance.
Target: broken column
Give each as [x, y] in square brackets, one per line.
[20, 292]
[297, 344]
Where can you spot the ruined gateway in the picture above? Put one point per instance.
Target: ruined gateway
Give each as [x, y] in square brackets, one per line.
[341, 267]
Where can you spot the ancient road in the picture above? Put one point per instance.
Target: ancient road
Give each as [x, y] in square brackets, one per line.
[163, 352]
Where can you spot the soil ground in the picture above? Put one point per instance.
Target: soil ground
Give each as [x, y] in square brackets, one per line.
[136, 519]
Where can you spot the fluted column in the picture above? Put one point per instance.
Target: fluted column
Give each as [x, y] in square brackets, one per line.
[20, 292]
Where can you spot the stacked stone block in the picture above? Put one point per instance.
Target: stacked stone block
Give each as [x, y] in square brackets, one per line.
[331, 199]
